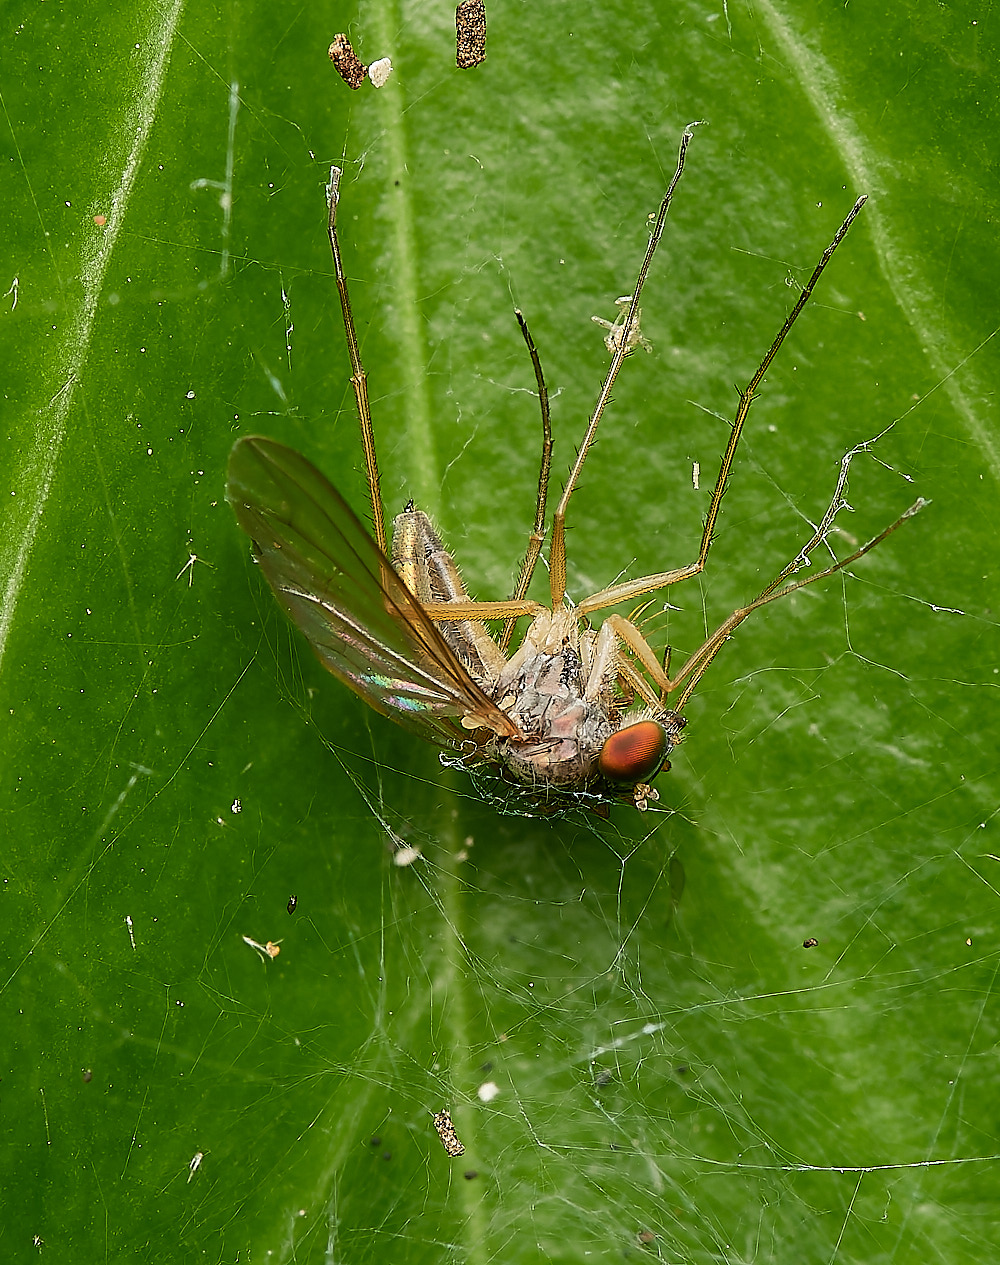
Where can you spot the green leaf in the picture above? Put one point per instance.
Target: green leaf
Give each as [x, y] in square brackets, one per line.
[679, 1078]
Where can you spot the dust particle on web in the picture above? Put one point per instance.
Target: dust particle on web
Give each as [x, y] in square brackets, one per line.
[379, 71]
[446, 1132]
[346, 62]
[470, 34]
[270, 950]
[405, 856]
[487, 1091]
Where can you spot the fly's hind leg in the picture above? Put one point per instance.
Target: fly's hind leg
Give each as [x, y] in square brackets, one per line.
[359, 379]
[557, 551]
[631, 589]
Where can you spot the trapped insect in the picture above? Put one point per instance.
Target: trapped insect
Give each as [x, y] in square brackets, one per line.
[574, 715]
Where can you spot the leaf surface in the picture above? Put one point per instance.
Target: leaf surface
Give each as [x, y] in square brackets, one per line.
[678, 1077]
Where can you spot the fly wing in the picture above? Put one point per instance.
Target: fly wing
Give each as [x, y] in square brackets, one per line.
[364, 624]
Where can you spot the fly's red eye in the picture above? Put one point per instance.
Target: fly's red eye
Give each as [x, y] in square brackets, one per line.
[635, 753]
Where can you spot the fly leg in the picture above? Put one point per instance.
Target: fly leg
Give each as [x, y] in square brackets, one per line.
[359, 379]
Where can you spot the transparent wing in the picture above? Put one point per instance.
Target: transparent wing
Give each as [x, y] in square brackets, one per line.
[343, 593]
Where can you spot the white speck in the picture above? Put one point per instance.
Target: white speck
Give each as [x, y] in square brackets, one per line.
[128, 923]
[189, 568]
[236, 806]
[195, 1164]
[190, 395]
[695, 474]
[379, 71]
[617, 335]
[405, 856]
[487, 1091]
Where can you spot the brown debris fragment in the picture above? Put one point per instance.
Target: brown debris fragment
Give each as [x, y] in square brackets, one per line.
[346, 62]
[470, 33]
[446, 1132]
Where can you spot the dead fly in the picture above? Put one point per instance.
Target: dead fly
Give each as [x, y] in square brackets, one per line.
[575, 715]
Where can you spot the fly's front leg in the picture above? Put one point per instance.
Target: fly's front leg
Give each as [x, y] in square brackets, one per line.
[600, 659]
[698, 663]
[606, 665]
[627, 633]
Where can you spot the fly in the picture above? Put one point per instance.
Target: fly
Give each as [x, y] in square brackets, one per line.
[576, 714]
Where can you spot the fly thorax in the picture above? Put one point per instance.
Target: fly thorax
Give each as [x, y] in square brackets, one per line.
[564, 730]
